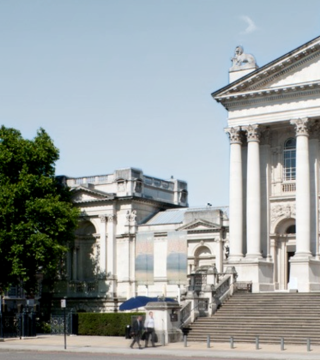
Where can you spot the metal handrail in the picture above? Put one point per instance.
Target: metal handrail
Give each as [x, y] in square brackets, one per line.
[189, 314]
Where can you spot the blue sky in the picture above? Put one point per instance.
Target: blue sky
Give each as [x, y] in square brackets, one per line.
[127, 83]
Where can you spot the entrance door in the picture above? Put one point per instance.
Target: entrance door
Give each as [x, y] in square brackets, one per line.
[285, 249]
[289, 256]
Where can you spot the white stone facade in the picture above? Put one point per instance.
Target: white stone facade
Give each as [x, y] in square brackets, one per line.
[273, 125]
[136, 236]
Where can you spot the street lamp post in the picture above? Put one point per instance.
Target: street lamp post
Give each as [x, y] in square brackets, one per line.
[63, 306]
[1, 319]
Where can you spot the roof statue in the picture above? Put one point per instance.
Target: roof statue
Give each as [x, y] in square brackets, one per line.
[242, 60]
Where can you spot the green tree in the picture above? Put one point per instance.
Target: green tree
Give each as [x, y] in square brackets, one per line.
[37, 218]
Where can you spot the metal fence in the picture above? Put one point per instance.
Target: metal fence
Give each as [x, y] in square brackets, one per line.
[18, 325]
[58, 320]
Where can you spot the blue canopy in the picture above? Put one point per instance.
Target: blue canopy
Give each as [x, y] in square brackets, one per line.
[141, 301]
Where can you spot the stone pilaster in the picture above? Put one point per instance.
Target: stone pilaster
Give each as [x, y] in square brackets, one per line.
[111, 253]
[111, 245]
[103, 246]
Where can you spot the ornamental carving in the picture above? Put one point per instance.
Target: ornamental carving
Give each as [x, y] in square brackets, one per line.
[301, 126]
[285, 210]
[276, 150]
[314, 129]
[253, 132]
[131, 217]
[241, 60]
[235, 134]
[266, 136]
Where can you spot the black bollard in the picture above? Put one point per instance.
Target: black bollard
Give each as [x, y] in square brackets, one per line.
[185, 340]
[308, 344]
[231, 342]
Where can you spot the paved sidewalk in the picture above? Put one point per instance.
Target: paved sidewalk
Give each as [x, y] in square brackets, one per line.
[120, 345]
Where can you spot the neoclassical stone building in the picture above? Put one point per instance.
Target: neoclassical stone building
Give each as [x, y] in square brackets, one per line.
[274, 130]
[136, 236]
[101, 265]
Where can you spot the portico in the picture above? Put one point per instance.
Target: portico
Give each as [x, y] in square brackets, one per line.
[274, 111]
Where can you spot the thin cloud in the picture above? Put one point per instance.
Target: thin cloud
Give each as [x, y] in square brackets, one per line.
[251, 25]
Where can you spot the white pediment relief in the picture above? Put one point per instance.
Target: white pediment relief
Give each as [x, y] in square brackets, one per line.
[82, 196]
[305, 73]
[86, 195]
[199, 225]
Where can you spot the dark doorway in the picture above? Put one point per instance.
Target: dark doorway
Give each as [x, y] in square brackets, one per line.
[289, 256]
[291, 229]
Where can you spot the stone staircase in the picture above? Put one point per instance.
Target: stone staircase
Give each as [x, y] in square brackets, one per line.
[270, 316]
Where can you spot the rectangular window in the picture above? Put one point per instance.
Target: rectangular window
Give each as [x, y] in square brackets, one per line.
[289, 165]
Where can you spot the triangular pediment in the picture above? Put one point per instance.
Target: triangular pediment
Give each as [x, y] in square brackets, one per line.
[199, 225]
[298, 70]
[82, 194]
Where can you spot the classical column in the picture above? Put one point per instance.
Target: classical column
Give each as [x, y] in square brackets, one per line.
[302, 188]
[235, 194]
[103, 250]
[253, 192]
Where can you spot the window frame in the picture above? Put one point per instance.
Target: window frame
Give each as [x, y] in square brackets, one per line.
[289, 160]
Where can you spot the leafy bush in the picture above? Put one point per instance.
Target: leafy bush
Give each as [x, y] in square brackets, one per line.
[43, 327]
[105, 324]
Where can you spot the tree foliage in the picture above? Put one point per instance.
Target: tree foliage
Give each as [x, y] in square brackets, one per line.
[37, 218]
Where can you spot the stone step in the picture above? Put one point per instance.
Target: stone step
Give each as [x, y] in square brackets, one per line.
[293, 316]
[255, 330]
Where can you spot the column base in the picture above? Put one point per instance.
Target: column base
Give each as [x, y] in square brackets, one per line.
[304, 274]
[254, 256]
[259, 272]
[235, 258]
[302, 255]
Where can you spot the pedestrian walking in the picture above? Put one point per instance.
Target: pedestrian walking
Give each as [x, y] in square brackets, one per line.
[149, 326]
[136, 332]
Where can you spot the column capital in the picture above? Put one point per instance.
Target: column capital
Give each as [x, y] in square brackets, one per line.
[301, 126]
[253, 132]
[111, 217]
[235, 134]
[107, 218]
[103, 218]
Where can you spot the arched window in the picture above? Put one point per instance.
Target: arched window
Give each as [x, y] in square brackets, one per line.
[289, 160]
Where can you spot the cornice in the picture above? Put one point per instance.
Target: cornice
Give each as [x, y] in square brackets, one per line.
[129, 199]
[143, 200]
[272, 94]
[91, 201]
[203, 231]
[290, 197]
